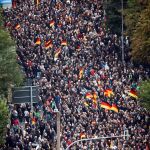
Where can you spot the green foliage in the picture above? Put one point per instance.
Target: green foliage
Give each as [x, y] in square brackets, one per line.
[1, 18]
[4, 120]
[10, 72]
[140, 40]
[132, 14]
[137, 21]
[145, 94]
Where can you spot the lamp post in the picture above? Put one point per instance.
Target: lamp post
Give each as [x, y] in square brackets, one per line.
[126, 134]
[58, 128]
[122, 30]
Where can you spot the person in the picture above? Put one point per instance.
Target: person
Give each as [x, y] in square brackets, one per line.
[68, 51]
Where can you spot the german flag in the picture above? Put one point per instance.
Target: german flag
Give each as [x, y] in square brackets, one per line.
[89, 96]
[86, 104]
[114, 108]
[51, 23]
[108, 92]
[81, 73]
[17, 26]
[82, 135]
[33, 121]
[48, 44]
[94, 103]
[105, 105]
[38, 41]
[133, 94]
[57, 53]
[94, 95]
[64, 43]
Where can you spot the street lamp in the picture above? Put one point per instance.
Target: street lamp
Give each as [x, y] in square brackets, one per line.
[126, 134]
[122, 30]
[58, 128]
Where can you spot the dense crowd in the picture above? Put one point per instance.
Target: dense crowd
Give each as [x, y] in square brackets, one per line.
[68, 51]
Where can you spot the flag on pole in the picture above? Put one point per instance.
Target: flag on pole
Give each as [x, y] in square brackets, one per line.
[105, 105]
[33, 121]
[133, 94]
[89, 96]
[108, 92]
[38, 41]
[48, 44]
[17, 26]
[95, 95]
[114, 108]
[51, 23]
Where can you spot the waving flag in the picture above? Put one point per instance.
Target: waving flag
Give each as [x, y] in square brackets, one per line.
[51, 23]
[17, 26]
[105, 105]
[95, 95]
[114, 108]
[108, 92]
[48, 44]
[89, 96]
[133, 93]
[38, 41]
[33, 120]
[57, 54]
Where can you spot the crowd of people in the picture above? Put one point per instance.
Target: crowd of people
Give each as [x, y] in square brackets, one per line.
[69, 52]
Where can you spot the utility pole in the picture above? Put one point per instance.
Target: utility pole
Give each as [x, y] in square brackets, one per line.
[31, 96]
[122, 37]
[58, 128]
